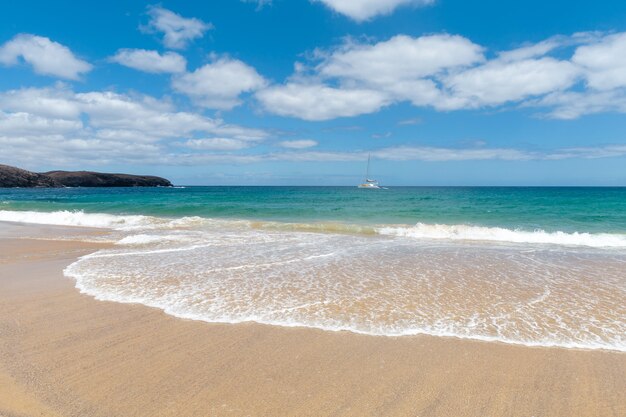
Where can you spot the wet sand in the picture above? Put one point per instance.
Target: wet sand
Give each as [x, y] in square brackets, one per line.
[65, 354]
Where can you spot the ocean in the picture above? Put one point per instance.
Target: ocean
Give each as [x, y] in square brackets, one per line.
[530, 266]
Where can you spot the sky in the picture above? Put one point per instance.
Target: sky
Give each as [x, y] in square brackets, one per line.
[300, 92]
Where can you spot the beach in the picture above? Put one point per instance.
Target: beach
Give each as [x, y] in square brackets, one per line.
[63, 353]
[263, 208]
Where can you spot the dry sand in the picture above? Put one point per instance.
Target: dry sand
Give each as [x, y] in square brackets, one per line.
[64, 354]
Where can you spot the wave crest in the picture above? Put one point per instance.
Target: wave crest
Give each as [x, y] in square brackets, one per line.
[457, 232]
[499, 234]
[75, 218]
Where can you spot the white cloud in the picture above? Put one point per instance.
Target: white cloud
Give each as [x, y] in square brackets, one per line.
[607, 151]
[320, 102]
[27, 124]
[116, 116]
[499, 82]
[217, 144]
[46, 56]
[447, 72]
[152, 117]
[48, 102]
[371, 76]
[177, 31]
[150, 61]
[219, 84]
[569, 105]
[408, 153]
[142, 113]
[122, 135]
[420, 153]
[102, 127]
[402, 66]
[298, 144]
[401, 58]
[531, 51]
[99, 127]
[441, 154]
[361, 10]
[604, 62]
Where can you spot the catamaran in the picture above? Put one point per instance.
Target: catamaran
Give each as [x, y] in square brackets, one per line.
[369, 183]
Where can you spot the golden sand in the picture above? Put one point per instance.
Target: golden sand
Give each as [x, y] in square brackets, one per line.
[64, 354]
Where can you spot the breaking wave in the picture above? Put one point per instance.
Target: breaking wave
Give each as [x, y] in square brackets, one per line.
[499, 234]
[458, 232]
[547, 289]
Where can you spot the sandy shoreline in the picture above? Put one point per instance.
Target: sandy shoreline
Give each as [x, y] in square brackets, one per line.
[65, 354]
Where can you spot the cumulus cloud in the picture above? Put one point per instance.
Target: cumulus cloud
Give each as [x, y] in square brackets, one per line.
[102, 127]
[298, 144]
[400, 66]
[320, 102]
[177, 31]
[604, 62]
[46, 56]
[361, 10]
[21, 123]
[448, 72]
[47, 102]
[217, 144]
[150, 61]
[371, 76]
[499, 82]
[219, 84]
[400, 58]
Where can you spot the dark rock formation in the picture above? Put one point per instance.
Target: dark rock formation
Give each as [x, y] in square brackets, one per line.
[98, 179]
[15, 177]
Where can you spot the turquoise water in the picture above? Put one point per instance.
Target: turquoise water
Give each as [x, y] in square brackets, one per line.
[595, 210]
[530, 266]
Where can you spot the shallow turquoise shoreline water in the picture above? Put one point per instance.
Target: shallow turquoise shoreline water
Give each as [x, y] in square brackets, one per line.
[531, 266]
[567, 209]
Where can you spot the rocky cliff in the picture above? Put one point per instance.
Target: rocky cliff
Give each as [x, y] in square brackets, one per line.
[16, 177]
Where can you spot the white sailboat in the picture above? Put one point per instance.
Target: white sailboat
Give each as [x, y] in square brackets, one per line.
[369, 183]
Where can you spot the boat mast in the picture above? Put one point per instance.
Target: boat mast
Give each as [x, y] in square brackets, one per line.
[367, 172]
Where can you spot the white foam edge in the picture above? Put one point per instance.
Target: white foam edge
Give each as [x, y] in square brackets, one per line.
[105, 296]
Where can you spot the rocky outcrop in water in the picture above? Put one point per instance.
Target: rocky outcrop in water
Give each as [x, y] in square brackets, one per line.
[12, 177]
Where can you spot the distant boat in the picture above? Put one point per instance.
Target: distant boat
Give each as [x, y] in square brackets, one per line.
[369, 183]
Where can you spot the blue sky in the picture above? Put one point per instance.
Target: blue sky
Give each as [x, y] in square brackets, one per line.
[440, 92]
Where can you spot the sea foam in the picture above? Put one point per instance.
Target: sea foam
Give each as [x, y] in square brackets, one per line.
[458, 232]
[76, 218]
[542, 289]
[372, 285]
[499, 234]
